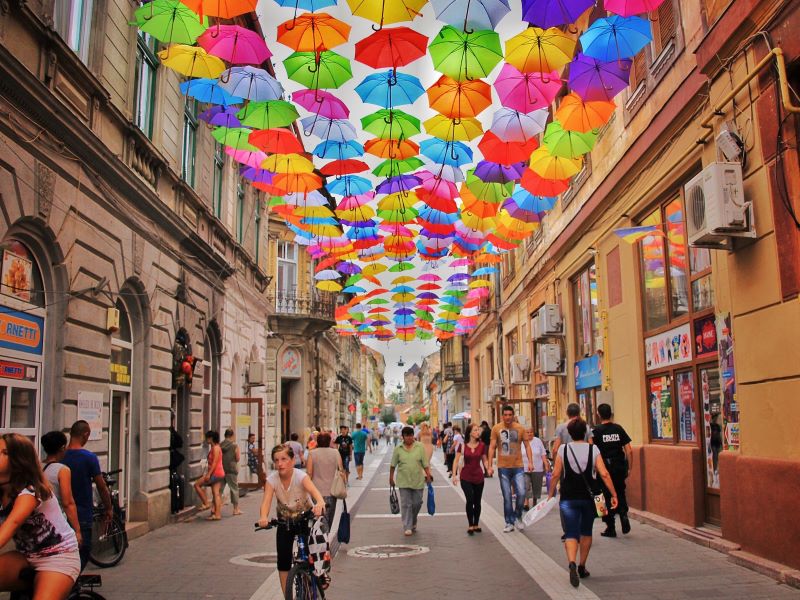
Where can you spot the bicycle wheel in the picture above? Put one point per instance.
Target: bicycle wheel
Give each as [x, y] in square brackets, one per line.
[301, 584]
[109, 541]
[85, 595]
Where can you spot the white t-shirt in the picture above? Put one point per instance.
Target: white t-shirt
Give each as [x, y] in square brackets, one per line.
[538, 451]
[458, 443]
[292, 500]
[581, 452]
[45, 532]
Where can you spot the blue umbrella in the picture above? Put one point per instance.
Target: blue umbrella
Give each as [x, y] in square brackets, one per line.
[484, 271]
[354, 289]
[334, 130]
[471, 14]
[451, 153]
[208, 90]
[389, 89]
[402, 289]
[349, 185]
[615, 38]
[524, 200]
[339, 150]
[251, 83]
[311, 5]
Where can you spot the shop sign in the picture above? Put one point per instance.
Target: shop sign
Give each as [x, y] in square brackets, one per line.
[588, 373]
[705, 337]
[16, 278]
[120, 367]
[90, 409]
[672, 347]
[291, 363]
[20, 331]
[13, 370]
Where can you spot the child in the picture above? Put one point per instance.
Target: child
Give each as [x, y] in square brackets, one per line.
[31, 515]
[59, 476]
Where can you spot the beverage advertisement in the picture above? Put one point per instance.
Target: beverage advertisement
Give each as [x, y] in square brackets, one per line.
[730, 406]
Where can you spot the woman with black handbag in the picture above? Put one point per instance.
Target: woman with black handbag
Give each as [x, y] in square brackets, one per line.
[576, 469]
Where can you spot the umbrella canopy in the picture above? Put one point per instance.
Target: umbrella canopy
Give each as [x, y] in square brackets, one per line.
[192, 61]
[313, 32]
[208, 90]
[170, 21]
[336, 130]
[536, 184]
[268, 114]
[576, 114]
[391, 124]
[499, 173]
[235, 44]
[251, 83]
[548, 166]
[312, 5]
[391, 47]
[507, 153]
[387, 11]
[338, 150]
[394, 167]
[513, 126]
[462, 56]
[551, 13]
[318, 70]
[288, 163]
[389, 148]
[453, 129]
[471, 14]
[322, 103]
[616, 37]
[344, 167]
[446, 153]
[235, 137]
[526, 92]
[537, 50]
[459, 99]
[227, 9]
[629, 8]
[390, 89]
[567, 144]
[276, 141]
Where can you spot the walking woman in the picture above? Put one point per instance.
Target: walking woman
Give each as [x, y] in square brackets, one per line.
[294, 492]
[426, 439]
[577, 466]
[213, 477]
[470, 471]
[30, 514]
[413, 471]
[325, 463]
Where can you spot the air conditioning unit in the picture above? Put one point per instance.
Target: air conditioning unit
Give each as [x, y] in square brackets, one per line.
[255, 373]
[548, 322]
[551, 359]
[337, 387]
[497, 387]
[520, 369]
[716, 209]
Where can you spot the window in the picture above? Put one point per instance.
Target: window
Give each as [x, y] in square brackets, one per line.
[189, 141]
[663, 22]
[219, 175]
[287, 275]
[653, 280]
[73, 21]
[659, 390]
[584, 294]
[240, 198]
[21, 277]
[144, 94]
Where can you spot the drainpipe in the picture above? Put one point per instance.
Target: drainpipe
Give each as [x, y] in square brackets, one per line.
[317, 394]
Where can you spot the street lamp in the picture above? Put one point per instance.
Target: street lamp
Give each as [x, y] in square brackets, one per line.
[400, 362]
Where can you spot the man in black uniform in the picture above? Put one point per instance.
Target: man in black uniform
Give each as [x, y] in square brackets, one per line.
[615, 446]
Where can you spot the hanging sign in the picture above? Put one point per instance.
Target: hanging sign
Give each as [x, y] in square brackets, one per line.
[588, 373]
[672, 347]
[705, 337]
[16, 276]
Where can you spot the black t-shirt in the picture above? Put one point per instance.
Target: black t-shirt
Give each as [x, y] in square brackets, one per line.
[611, 438]
[345, 443]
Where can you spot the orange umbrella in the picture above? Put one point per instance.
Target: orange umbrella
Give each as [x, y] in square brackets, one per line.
[226, 9]
[297, 182]
[459, 99]
[576, 114]
[313, 32]
[395, 149]
[276, 141]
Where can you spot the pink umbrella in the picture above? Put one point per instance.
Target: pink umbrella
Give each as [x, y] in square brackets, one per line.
[526, 92]
[234, 44]
[322, 103]
[629, 8]
[356, 201]
[461, 262]
[429, 277]
[247, 157]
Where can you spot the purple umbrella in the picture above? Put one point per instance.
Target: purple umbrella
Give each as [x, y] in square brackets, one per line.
[404, 311]
[218, 115]
[257, 175]
[551, 13]
[401, 183]
[592, 79]
[427, 296]
[348, 268]
[458, 277]
[491, 172]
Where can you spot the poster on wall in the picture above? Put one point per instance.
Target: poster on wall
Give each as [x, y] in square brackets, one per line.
[16, 276]
[661, 408]
[669, 348]
[730, 406]
[712, 430]
[291, 363]
[90, 409]
[705, 337]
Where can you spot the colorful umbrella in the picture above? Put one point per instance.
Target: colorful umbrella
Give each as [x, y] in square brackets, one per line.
[453, 129]
[446, 152]
[616, 37]
[344, 167]
[567, 144]
[170, 21]
[192, 61]
[540, 50]
[459, 99]
[268, 114]
[513, 126]
[390, 89]
[318, 70]
[235, 44]
[322, 103]
[235, 137]
[386, 11]
[493, 172]
[554, 167]
[576, 114]
[536, 184]
[393, 167]
[462, 56]
[251, 83]
[335, 130]
[497, 150]
[208, 90]
[592, 79]
[339, 150]
[526, 92]
[551, 13]
[629, 8]
[390, 124]
[276, 141]
[227, 9]
[389, 148]
[313, 32]
[471, 14]
[312, 5]
[391, 47]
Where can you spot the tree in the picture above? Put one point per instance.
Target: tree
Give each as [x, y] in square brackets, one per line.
[387, 415]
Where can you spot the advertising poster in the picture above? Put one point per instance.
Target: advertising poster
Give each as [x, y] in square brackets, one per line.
[672, 347]
[705, 337]
[730, 406]
[686, 410]
[661, 407]
[16, 276]
[90, 409]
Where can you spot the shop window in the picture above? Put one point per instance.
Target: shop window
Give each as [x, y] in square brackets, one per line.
[687, 418]
[676, 241]
[653, 280]
[659, 391]
[587, 321]
[257, 230]
[189, 150]
[144, 93]
[219, 176]
[72, 20]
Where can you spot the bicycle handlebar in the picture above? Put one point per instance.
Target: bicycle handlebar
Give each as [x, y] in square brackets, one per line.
[285, 522]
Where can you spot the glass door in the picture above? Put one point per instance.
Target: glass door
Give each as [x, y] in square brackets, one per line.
[713, 426]
[118, 441]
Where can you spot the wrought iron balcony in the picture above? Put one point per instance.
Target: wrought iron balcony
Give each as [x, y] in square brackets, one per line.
[456, 371]
[310, 305]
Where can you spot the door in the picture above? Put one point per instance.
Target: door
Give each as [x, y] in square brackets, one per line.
[247, 416]
[118, 442]
[712, 428]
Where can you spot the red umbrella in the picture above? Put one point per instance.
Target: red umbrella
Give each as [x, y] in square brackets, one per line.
[276, 141]
[540, 186]
[391, 47]
[506, 153]
[346, 166]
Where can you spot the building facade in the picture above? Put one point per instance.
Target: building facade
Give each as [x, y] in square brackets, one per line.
[692, 344]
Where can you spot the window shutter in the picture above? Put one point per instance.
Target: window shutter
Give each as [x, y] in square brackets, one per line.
[638, 70]
[664, 25]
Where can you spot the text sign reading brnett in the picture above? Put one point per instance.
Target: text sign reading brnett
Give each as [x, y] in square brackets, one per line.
[21, 332]
[669, 348]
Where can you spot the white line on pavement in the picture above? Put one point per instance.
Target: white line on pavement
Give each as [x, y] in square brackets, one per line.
[386, 489]
[361, 515]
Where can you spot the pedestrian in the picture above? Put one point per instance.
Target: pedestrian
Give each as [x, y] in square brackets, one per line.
[413, 471]
[561, 433]
[213, 477]
[448, 448]
[324, 463]
[59, 476]
[85, 470]
[506, 441]
[31, 516]
[535, 475]
[578, 476]
[435, 436]
[614, 444]
[344, 443]
[252, 456]
[469, 466]
[294, 492]
[297, 448]
[426, 439]
[458, 440]
[359, 438]
[387, 435]
[230, 464]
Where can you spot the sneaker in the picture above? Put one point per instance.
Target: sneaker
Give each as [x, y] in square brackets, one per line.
[519, 525]
[582, 572]
[408, 532]
[508, 528]
[626, 524]
[574, 579]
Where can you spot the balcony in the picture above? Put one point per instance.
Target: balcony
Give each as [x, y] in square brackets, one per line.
[301, 314]
[456, 371]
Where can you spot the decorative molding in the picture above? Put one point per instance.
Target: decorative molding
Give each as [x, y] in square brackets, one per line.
[44, 186]
[138, 252]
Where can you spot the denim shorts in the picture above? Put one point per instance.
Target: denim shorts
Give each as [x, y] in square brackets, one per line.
[577, 517]
[359, 456]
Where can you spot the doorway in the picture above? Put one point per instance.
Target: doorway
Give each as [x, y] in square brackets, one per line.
[19, 397]
[118, 441]
[247, 415]
[711, 401]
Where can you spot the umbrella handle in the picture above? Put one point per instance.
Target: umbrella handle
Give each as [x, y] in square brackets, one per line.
[294, 20]
[216, 35]
[223, 78]
[151, 13]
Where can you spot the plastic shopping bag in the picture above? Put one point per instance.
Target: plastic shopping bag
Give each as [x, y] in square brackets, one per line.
[538, 512]
[431, 500]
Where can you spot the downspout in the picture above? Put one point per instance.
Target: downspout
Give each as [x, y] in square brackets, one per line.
[317, 396]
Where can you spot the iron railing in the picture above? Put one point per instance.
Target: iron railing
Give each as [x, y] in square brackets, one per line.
[310, 305]
[456, 371]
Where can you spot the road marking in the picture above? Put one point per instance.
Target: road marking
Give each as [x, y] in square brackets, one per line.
[386, 489]
[421, 514]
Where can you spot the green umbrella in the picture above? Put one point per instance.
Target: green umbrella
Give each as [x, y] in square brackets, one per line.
[488, 191]
[462, 56]
[401, 266]
[377, 301]
[424, 315]
[424, 335]
[393, 167]
[353, 279]
[318, 71]
[451, 308]
[397, 215]
[446, 326]
[235, 137]
[455, 293]
[567, 144]
[390, 124]
[170, 21]
[268, 115]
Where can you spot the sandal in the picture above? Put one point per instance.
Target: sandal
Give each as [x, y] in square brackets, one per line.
[203, 507]
[213, 518]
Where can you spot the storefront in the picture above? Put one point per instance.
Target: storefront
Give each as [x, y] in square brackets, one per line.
[588, 381]
[588, 341]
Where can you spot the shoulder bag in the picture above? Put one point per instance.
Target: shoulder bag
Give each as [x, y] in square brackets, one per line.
[599, 500]
[431, 500]
[343, 533]
[338, 486]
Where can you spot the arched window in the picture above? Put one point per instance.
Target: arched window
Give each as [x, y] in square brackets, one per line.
[211, 380]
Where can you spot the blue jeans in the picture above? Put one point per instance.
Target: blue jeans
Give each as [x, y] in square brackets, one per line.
[577, 518]
[515, 476]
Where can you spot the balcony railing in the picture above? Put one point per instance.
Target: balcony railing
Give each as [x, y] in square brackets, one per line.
[456, 371]
[292, 303]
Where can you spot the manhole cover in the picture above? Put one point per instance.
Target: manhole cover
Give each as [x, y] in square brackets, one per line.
[260, 559]
[388, 551]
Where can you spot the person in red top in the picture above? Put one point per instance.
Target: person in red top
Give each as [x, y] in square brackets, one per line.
[471, 472]
[213, 477]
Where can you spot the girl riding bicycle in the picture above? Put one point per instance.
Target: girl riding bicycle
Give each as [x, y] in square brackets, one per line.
[31, 515]
[293, 490]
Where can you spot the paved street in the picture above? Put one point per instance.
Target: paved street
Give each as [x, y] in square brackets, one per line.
[227, 560]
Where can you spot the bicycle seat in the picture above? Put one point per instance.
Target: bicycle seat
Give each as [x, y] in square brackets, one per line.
[90, 580]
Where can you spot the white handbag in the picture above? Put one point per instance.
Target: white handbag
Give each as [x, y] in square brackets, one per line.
[338, 486]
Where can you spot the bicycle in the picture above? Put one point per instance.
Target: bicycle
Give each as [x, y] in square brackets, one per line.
[82, 590]
[109, 538]
[302, 583]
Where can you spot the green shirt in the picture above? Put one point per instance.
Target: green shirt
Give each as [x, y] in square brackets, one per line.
[409, 466]
[360, 441]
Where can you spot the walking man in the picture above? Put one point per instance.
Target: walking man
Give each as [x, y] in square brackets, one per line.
[506, 440]
[230, 464]
[562, 435]
[85, 470]
[448, 447]
[413, 471]
[344, 443]
[360, 437]
[614, 444]
[297, 448]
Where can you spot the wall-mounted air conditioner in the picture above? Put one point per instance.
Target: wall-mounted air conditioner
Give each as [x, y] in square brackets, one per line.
[551, 359]
[497, 388]
[548, 322]
[255, 373]
[337, 387]
[520, 369]
[716, 209]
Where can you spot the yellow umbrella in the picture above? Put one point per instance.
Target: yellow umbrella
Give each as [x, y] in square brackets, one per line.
[287, 163]
[319, 230]
[361, 213]
[548, 166]
[398, 201]
[480, 283]
[329, 286]
[453, 129]
[537, 50]
[387, 11]
[374, 269]
[476, 222]
[403, 279]
[313, 211]
[192, 61]
[403, 297]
